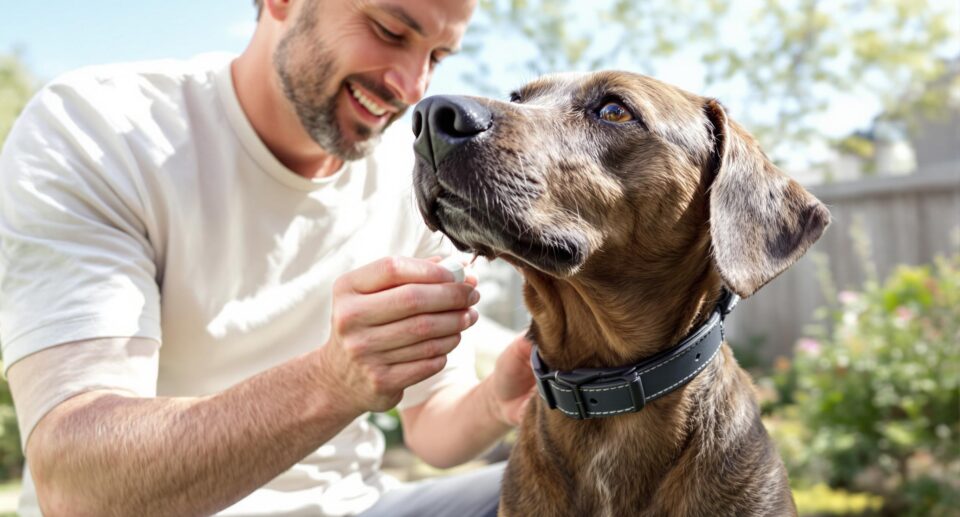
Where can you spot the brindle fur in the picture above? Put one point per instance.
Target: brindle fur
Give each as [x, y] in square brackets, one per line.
[624, 235]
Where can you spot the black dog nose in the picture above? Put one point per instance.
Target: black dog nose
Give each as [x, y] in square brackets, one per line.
[443, 122]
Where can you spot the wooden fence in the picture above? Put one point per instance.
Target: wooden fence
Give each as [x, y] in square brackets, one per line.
[904, 220]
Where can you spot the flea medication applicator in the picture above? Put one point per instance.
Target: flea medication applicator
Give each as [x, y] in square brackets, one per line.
[454, 266]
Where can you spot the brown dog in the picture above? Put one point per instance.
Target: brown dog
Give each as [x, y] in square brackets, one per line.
[627, 205]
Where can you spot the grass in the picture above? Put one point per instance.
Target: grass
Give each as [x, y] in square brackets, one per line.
[822, 500]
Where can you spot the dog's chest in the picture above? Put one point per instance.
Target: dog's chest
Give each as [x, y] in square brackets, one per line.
[614, 476]
[600, 468]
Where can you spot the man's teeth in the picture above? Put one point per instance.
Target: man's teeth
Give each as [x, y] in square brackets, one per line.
[365, 101]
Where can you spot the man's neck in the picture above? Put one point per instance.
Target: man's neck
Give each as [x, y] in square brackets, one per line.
[274, 120]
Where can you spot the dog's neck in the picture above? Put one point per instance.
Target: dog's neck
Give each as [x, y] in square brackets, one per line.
[592, 322]
[589, 321]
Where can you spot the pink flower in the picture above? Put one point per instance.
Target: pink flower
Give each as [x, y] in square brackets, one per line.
[809, 346]
[848, 297]
[903, 315]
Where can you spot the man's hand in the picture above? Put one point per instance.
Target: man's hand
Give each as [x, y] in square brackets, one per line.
[513, 382]
[462, 420]
[394, 322]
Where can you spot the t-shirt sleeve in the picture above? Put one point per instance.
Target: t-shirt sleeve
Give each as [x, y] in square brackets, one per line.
[76, 262]
[43, 380]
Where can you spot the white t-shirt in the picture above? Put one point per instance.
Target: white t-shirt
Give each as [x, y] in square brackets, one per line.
[137, 200]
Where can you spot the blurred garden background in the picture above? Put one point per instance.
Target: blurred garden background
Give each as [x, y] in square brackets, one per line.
[856, 349]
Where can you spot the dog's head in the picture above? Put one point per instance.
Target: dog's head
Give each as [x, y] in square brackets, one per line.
[580, 166]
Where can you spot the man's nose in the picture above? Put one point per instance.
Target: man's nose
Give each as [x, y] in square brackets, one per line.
[442, 123]
[409, 80]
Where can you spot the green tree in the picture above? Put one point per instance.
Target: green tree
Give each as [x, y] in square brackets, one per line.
[16, 87]
[777, 62]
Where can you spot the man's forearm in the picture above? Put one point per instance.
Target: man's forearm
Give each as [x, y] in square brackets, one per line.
[468, 425]
[106, 454]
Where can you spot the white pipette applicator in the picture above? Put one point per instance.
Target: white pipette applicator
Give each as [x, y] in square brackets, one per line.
[454, 266]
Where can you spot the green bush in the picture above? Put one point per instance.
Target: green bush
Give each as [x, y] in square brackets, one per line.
[878, 392]
[11, 457]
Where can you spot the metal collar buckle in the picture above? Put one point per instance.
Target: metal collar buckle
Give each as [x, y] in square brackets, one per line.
[576, 380]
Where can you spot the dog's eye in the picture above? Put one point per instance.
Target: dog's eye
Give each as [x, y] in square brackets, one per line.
[613, 112]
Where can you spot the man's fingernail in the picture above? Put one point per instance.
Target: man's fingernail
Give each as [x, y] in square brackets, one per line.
[474, 316]
[474, 297]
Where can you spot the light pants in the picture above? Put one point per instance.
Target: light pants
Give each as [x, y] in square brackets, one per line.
[473, 494]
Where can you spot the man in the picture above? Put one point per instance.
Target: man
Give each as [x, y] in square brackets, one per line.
[233, 210]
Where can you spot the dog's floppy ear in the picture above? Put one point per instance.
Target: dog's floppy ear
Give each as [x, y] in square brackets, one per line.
[761, 221]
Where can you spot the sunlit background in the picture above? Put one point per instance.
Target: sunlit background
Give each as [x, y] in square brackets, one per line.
[855, 349]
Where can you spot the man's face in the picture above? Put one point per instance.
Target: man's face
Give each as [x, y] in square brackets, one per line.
[352, 67]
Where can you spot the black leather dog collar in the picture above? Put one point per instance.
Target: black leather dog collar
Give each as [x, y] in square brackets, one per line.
[601, 392]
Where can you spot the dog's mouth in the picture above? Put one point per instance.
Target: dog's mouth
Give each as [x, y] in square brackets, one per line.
[477, 186]
[492, 225]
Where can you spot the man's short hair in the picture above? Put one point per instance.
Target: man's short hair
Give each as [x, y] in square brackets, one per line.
[259, 6]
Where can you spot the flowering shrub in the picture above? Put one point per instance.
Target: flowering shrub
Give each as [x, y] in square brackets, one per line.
[878, 391]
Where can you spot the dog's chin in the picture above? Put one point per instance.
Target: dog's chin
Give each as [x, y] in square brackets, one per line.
[556, 253]
[560, 256]
[475, 226]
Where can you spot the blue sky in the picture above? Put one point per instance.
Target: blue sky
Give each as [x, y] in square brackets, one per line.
[55, 36]
[58, 35]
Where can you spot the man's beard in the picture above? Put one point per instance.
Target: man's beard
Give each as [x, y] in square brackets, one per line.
[305, 86]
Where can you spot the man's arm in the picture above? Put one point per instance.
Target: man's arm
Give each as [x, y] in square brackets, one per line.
[106, 453]
[461, 421]
[102, 453]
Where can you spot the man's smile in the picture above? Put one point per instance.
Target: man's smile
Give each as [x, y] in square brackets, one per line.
[368, 101]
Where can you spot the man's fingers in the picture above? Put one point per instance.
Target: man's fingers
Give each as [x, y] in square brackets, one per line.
[390, 272]
[408, 374]
[411, 299]
[422, 350]
[415, 329]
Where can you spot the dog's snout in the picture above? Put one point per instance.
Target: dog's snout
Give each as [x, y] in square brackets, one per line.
[442, 123]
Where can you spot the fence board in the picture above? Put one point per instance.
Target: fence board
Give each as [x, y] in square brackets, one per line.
[907, 220]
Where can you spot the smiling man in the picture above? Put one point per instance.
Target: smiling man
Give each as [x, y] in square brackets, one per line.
[210, 276]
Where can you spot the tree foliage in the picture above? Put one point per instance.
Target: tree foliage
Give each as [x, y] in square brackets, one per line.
[777, 63]
[16, 86]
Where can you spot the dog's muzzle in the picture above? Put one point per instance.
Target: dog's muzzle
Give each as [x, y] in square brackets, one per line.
[462, 189]
[444, 122]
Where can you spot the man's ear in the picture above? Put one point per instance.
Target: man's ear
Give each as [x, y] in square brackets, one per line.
[761, 221]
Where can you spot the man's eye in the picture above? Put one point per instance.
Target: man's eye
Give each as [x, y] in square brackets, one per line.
[437, 57]
[388, 35]
[613, 112]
